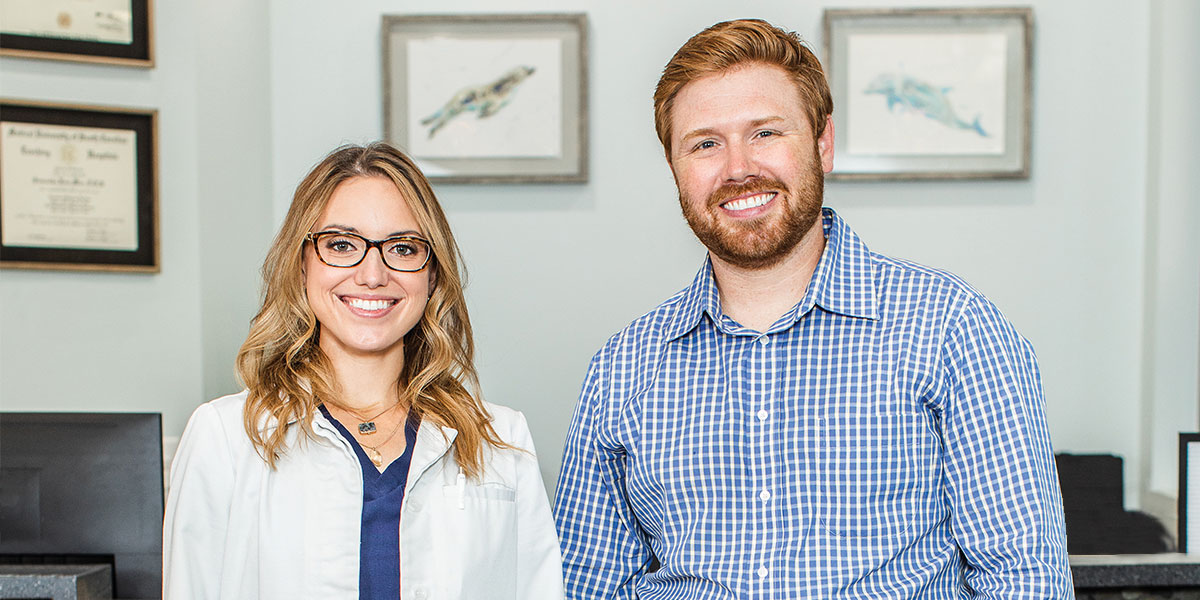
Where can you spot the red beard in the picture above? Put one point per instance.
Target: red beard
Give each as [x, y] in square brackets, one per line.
[762, 242]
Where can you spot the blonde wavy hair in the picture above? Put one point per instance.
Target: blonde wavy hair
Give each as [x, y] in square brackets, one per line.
[281, 363]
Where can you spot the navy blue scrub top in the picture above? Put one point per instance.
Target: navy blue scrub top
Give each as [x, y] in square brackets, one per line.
[383, 495]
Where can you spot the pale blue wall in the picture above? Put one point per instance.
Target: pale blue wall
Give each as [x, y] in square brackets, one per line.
[1093, 257]
[163, 342]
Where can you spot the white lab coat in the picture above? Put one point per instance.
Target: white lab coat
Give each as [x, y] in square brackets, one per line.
[237, 530]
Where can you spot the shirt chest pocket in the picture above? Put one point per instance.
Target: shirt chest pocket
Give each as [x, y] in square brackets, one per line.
[874, 473]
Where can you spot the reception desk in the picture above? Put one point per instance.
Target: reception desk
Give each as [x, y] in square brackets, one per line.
[1167, 576]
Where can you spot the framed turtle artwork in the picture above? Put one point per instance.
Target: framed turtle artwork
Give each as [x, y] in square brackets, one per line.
[488, 98]
[930, 93]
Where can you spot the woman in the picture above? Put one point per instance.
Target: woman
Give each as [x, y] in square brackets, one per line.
[360, 461]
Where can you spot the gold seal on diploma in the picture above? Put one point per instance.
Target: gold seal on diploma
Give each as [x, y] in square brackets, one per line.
[64, 20]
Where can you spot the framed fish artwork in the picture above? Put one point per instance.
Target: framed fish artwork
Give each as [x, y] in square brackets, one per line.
[930, 93]
[488, 98]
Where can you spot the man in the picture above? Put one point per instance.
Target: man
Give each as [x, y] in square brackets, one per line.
[808, 419]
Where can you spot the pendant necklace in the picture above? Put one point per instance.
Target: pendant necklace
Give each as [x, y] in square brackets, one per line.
[367, 426]
[373, 452]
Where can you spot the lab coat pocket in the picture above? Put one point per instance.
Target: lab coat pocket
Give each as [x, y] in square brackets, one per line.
[480, 529]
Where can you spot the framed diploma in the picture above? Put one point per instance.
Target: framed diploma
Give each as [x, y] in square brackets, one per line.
[99, 31]
[78, 187]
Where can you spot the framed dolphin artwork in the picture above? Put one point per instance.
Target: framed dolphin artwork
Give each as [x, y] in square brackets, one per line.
[930, 93]
[488, 98]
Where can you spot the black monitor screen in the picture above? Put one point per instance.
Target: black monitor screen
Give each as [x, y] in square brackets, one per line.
[77, 484]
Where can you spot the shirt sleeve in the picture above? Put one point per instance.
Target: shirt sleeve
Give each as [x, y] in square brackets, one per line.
[197, 510]
[602, 547]
[539, 572]
[1005, 500]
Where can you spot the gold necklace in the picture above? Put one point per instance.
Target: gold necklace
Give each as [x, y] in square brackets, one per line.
[367, 426]
[373, 452]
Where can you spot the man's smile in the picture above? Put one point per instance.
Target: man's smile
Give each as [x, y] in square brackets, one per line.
[748, 202]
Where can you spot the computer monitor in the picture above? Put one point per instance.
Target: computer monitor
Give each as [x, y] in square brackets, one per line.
[75, 485]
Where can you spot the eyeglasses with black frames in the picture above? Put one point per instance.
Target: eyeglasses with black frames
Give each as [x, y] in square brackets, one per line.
[405, 253]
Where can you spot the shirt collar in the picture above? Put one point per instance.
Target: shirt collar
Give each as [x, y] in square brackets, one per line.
[842, 283]
[698, 298]
[844, 280]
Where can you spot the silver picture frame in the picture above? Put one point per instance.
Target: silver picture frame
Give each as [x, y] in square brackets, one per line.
[488, 98]
[930, 93]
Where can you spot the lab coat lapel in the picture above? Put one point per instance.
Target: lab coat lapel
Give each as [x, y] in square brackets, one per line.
[433, 442]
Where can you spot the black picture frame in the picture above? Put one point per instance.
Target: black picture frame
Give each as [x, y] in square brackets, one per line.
[143, 123]
[138, 53]
[1186, 440]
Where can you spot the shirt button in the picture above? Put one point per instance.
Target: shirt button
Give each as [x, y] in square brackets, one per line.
[764, 495]
[414, 506]
[764, 340]
[421, 594]
[763, 572]
[763, 415]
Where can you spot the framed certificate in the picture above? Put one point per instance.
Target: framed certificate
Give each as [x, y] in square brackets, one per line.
[78, 187]
[98, 31]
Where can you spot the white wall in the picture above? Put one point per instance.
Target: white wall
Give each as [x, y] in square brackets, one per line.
[1085, 257]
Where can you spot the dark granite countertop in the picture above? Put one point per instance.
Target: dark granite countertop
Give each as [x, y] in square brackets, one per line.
[85, 582]
[1135, 570]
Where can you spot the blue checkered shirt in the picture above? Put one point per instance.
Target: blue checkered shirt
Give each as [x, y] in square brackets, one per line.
[885, 438]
